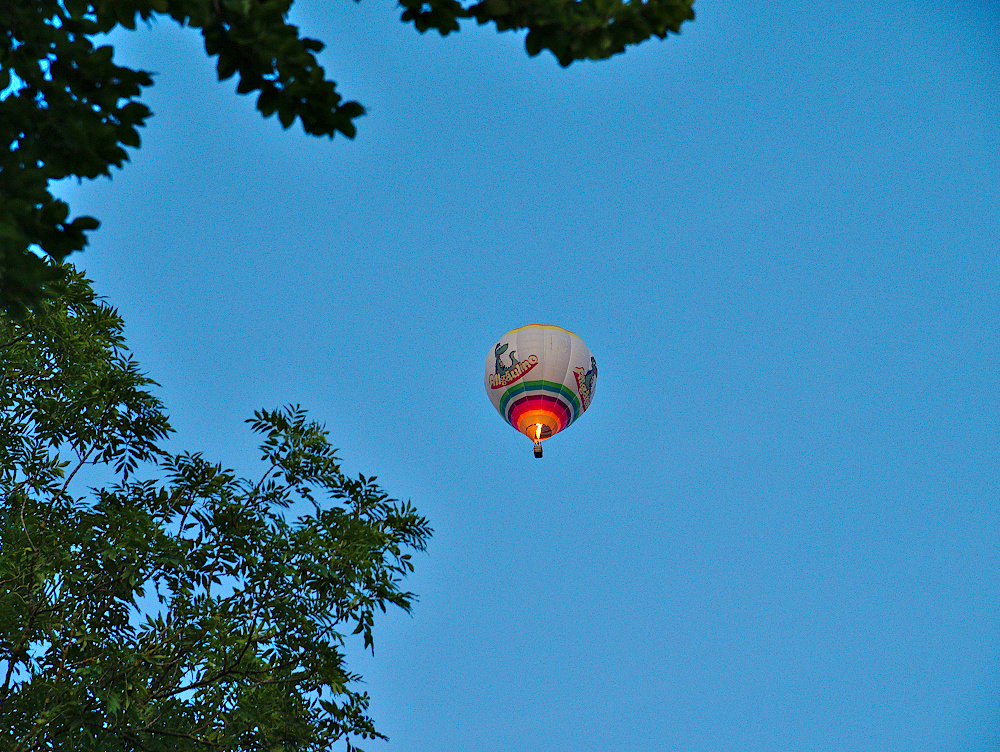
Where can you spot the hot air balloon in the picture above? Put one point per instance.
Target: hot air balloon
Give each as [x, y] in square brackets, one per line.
[540, 378]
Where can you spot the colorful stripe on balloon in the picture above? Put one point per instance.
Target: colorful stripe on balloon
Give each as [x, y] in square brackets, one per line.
[546, 403]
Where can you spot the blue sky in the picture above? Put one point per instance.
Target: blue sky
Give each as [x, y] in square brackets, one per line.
[777, 526]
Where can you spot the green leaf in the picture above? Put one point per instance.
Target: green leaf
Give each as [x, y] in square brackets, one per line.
[129, 137]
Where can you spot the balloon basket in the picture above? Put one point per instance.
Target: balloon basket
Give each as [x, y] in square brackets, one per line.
[538, 450]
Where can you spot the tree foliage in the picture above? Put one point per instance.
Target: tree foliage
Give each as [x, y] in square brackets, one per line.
[183, 612]
[69, 110]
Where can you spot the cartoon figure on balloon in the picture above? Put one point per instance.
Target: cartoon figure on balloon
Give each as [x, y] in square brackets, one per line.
[499, 350]
[586, 381]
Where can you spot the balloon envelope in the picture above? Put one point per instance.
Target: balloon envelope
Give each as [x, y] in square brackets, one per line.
[540, 378]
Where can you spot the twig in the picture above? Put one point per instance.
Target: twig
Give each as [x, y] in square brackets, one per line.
[16, 340]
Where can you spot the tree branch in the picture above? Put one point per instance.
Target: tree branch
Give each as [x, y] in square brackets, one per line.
[14, 341]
